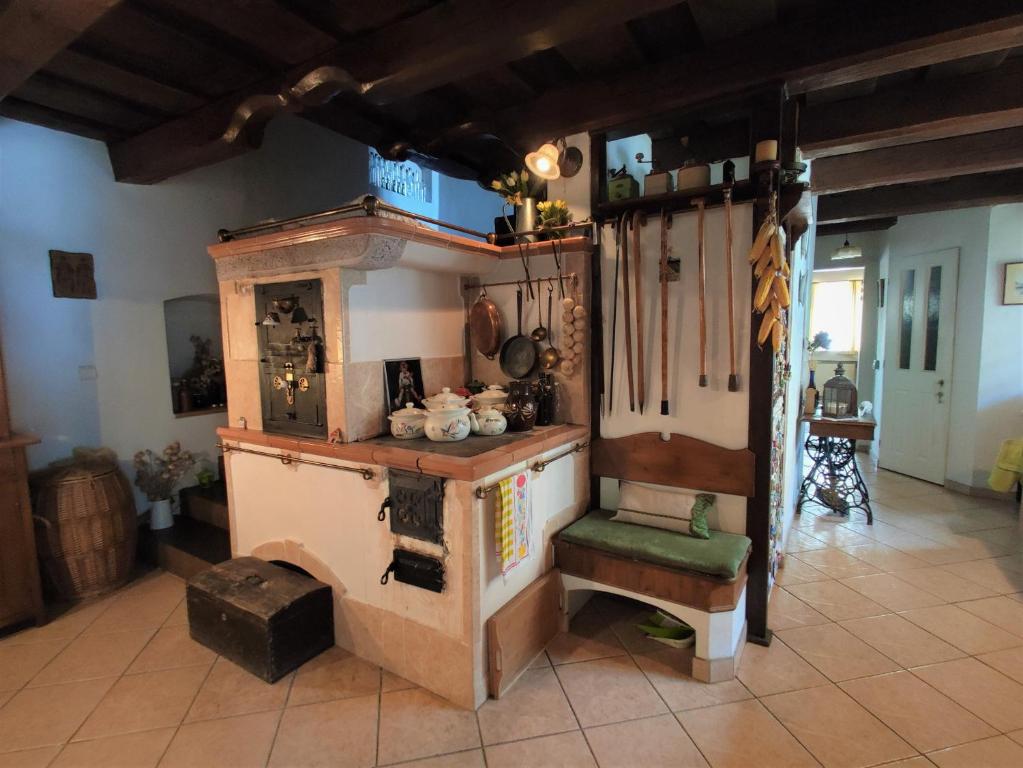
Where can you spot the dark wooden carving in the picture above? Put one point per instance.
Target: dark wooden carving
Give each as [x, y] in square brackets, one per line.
[72, 275]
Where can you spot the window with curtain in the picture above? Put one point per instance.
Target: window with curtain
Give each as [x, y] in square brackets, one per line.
[837, 308]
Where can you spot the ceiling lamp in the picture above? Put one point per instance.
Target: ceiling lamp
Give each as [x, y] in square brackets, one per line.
[847, 251]
[554, 160]
[271, 319]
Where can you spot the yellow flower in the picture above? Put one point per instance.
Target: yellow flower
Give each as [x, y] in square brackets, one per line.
[495, 184]
[525, 177]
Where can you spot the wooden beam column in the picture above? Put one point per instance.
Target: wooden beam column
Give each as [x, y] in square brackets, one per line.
[767, 118]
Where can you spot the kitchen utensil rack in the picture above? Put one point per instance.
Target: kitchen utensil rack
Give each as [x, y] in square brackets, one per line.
[553, 279]
[284, 458]
[485, 490]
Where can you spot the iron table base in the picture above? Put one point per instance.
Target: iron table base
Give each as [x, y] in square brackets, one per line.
[834, 480]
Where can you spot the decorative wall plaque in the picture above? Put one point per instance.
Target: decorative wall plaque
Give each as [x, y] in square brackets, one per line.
[72, 275]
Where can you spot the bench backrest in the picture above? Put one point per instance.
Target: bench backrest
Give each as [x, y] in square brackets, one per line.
[682, 462]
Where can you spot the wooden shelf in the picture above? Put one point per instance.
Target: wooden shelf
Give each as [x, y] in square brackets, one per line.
[201, 412]
[676, 202]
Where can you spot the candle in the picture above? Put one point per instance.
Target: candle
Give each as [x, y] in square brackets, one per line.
[767, 150]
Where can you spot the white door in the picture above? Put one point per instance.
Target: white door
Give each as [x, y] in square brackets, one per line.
[919, 331]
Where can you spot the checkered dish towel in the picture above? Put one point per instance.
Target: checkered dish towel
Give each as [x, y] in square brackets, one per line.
[511, 526]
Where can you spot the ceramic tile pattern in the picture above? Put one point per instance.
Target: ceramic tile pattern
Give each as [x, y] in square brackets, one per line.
[897, 645]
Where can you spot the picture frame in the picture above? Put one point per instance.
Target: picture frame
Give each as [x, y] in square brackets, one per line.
[1012, 292]
[72, 275]
[403, 383]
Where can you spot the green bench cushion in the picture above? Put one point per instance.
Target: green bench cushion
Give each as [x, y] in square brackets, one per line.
[720, 555]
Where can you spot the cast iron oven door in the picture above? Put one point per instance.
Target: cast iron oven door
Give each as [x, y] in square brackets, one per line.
[417, 505]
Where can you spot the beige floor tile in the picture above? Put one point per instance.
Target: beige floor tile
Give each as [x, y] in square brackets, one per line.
[20, 663]
[6, 696]
[882, 556]
[836, 601]
[241, 741]
[668, 670]
[945, 585]
[962, 629]
[987, 693]
[391, 682]
[837, 653]
[416, 723]
[785, 611]
[743, 734]
[334, 674]
[178, 616]
[834, 535]
[36, 717]
[540, 662]
[143, 702]
[654, 741]
[132, 750]
[138, 611]
[1008, 662]
[65, 623]
[914, 762]
[90, 656]
[230, 690]
[996, 752]
[837, 731]
[775, 668]
[996, 574]
[609, 691]
[590, 637]
[1016, 736]
[566, 750]
[472, 758]
[172, 647]
[631, 636]
[921, 715]
[836, 564]
[794, 571]
[802, 542]
[891, 592]
[901, 640]
[1001, 611]
[40, 757]
[331, 733]
[535, 706]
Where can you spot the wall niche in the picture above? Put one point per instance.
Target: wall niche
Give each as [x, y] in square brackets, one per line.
[195, 356]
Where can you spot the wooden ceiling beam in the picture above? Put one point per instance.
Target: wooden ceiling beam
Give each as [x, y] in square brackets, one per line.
[443, 44]
[851, 41]
[961, 192]
[909, 163]
[934, 109]
[865, 225]
[27, 112]
[33, 31]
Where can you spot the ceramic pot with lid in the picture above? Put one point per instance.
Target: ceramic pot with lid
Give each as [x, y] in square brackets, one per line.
[407, 423]
[445, 398]
[488, 422]
[493, 396]
[521, 406]
[447, 423]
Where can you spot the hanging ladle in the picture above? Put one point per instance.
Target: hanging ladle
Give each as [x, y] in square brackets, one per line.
[540, 332]
[550, 357]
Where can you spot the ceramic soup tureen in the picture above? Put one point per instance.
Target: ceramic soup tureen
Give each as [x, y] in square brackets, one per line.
[492, 397]
[447, 417]
[407, 423]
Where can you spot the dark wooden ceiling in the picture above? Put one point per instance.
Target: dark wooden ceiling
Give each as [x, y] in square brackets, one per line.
[466, 85]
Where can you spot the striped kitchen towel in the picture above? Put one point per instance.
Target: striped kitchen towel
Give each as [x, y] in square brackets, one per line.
[511, 526]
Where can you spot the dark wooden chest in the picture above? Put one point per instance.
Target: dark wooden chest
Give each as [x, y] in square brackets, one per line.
[265, 618]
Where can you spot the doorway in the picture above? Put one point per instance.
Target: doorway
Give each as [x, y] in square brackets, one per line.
[919, 339]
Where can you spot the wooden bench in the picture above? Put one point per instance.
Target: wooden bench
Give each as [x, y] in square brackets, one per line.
[706, 588]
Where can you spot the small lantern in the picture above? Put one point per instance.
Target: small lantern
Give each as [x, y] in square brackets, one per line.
[839, 399]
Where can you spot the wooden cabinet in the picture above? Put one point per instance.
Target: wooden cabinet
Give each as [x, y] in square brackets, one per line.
[20, 592]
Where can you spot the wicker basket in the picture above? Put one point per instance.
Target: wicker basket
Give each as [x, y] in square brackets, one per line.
[86, 528]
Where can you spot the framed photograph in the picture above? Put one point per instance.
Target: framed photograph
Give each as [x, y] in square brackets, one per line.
[72, 275]
[403, 381]
[1013, 283]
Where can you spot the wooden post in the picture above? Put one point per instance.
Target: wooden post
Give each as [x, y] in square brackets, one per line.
[766, 123]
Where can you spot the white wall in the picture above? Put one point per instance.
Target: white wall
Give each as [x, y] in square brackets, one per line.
[149, 243]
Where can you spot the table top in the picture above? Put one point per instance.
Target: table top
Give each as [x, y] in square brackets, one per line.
[849, 429]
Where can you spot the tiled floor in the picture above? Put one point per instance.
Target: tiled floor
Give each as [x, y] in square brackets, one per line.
[898, 644]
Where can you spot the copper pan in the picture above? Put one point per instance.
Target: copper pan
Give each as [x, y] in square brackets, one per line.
[485, 324]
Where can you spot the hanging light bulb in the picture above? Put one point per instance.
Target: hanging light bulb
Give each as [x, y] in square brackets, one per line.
[847, 251]
[544, 162]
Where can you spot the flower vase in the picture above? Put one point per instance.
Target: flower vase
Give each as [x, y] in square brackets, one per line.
[161, 516]
[525, 218]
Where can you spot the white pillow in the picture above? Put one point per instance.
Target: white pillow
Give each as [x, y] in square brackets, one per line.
[655, 506]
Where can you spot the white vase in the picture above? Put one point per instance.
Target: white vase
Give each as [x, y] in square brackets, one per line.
[161, 516]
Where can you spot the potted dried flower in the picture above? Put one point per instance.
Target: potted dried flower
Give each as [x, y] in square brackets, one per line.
[156, 474]
[553, 213]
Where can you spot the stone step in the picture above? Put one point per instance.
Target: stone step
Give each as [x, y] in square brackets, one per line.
[186, 548]
[207, 505]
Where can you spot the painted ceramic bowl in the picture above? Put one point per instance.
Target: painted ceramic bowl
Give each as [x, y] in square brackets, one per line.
[447, 424]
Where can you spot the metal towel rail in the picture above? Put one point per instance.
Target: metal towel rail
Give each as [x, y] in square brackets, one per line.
[485, 490]
[367, 474]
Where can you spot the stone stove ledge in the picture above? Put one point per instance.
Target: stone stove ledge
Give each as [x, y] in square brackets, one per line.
[472, 468]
